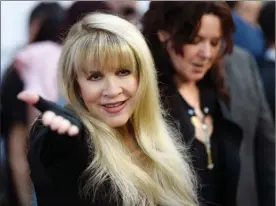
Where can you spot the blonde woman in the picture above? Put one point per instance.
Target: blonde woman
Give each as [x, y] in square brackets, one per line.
[110, 145]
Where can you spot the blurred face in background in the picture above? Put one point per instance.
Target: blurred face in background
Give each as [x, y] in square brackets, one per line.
[127, 10]
[117, 5]
[198, 56]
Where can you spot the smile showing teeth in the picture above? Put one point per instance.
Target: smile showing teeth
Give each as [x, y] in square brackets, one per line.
[113, 105]
[114, 108]
[198, 65]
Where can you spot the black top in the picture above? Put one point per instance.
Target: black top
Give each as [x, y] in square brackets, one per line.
[209, 179]
[12, 110]
[267, 73]
[217, 187]
[57, 163]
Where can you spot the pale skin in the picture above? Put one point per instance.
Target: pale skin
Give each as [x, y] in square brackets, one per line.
[49, 118]
[63, 126]
[97, 89]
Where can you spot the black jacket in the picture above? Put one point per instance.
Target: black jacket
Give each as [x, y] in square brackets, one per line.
[57, 162]
[229, 140]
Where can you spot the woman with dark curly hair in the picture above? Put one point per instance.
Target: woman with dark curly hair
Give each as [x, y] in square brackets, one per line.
[188, 41]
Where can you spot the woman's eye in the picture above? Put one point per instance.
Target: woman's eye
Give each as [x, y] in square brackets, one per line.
[196, 40]
[123, 72]
[215, 43]
[95, 76]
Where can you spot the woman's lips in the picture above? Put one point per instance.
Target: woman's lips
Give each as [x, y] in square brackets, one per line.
[114, 107]
[198, 68]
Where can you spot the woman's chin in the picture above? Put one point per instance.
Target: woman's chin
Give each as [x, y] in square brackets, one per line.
[116, 122]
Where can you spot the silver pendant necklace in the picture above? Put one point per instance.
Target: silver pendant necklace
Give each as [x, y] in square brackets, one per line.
[207, 144]
[207, 137]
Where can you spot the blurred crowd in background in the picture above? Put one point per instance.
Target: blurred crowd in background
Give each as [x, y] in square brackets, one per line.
[34, 67]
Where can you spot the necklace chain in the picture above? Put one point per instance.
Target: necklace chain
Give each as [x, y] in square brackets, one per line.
[207, 144]
[207, 138]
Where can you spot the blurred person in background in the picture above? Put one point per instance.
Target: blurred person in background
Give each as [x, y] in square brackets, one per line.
[248, 34]
[266, 20]
[130, 14]
[188, 41]
[250, 110]
[248, 10]
[127, 10]
[248, 106]
[34, 67]
[78, 9]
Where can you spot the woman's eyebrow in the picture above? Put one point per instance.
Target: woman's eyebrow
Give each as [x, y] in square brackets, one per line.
[92, 70]
[201, 37]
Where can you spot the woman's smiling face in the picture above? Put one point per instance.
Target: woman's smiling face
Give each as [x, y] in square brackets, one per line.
[109, 94]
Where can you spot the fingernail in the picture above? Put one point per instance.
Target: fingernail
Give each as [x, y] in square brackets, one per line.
[20, 96]
[74, 130]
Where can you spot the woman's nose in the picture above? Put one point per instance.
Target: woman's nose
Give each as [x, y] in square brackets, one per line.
[206, 50]
[112, 88]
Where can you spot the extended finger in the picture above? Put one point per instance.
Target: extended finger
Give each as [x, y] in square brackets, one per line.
[64, 126]
[56, 122]
[29, 97]
[37, 101]
[47, 117]
[73, 130]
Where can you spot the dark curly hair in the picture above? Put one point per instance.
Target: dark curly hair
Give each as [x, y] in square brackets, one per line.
[181, 19]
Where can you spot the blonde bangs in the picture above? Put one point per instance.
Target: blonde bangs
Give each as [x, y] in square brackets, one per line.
[103, 51]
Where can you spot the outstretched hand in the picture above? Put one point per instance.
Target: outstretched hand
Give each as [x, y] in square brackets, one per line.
[50, 116]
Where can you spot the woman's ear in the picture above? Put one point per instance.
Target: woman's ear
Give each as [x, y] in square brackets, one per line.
[163, 36]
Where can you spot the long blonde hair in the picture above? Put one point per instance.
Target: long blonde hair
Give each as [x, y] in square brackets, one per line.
[165, 177]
